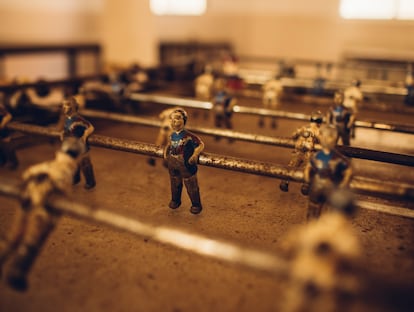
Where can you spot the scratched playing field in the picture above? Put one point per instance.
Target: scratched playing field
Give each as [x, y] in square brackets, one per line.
[90, 267]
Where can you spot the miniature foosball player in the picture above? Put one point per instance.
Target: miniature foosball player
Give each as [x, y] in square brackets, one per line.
[272, 91]
[230, 71]
[34, 222]
[204, 85]
[182, 152]
[135, 78]
[17, 100]
[325, 259]
[319, 81]
[352, 99]
[74, 125]
[326, 171]
[342, 117]
[409, 85]
[113, 89]
[305, 140]
[223, 105]
[7, 152]
[353, 96]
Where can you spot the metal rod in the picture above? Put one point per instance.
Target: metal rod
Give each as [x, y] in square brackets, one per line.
[168, 100]
[198, 244]
[395, 211]
[380, 187]
[355, 152]
[247, 137]
[363, 153]
[337, 85]
[359, 184]
[309, 62]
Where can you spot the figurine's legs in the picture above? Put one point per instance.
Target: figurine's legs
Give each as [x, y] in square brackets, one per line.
[77, 177]
[176, 190]
[40, 224]
[176, 182]
[261, 122]
[193, 191]
[305, 157]
[273, 105]
[320, 189]
[314, 210]
[353, 132]
[274, 123]
[11, 156]
[87, 170]
[227, 122]
[229, 125]
[8, 155]
[218, 119]
[295, 162]
[344, 136]
[346, 139]
[9, 243]
[3, 157]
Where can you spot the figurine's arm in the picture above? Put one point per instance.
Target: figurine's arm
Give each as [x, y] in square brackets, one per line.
[167, 146]
[297, 132]
[351, 121]
[359, 96]
[346, 177]
[35, 170]
[232, 104]
[88, 131]
[6, 119]
[197, 151]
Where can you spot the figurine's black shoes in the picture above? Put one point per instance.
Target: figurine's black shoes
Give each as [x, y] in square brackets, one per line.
[196, 209]
[17, 281]
[305, 189]
[151, 161]
[89, 186]
[284, 186]
[174, 205]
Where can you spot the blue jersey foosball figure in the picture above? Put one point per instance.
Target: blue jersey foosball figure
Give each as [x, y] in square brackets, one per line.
[181, 154]
[326, 171]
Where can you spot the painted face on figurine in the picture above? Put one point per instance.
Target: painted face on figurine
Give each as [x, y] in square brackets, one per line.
[338, 98]
[328, 137]
[69, 107]
[177, 121]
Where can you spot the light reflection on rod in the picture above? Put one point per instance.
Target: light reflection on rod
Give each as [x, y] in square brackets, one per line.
[168, 100]
[198, 244]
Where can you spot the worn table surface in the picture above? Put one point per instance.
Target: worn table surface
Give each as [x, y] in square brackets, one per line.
[90, 267]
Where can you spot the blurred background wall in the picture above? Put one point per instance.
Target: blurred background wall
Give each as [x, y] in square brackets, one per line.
[129, 32]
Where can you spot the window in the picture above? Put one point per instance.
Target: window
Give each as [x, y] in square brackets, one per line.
[377, 9]
[406, 9]
[178, 7]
